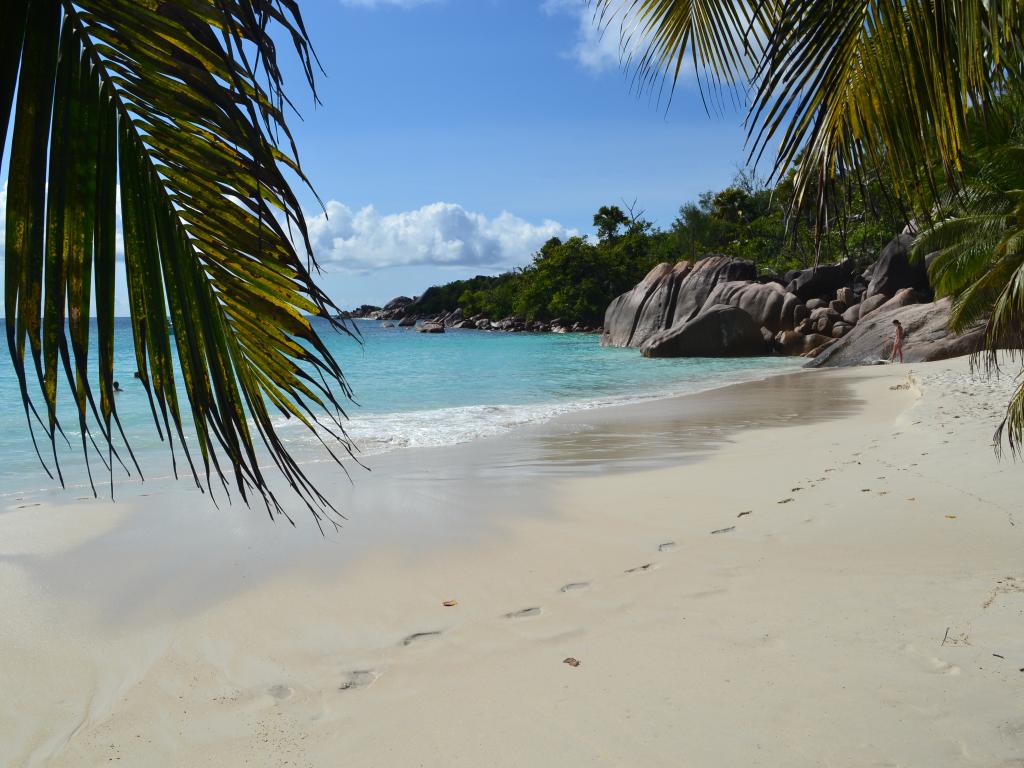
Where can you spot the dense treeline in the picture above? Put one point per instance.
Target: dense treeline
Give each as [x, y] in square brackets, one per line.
[576, 279]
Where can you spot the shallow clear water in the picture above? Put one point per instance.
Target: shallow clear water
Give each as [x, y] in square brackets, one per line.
[412, 389]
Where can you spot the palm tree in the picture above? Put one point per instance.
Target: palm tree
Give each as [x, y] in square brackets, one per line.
[900, 87]
[976, 244]
[177, 108]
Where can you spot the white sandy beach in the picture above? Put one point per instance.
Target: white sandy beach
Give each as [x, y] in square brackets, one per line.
[845, 591]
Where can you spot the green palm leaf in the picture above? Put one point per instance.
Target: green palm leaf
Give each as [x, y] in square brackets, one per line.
[180, 104]
[843, 83]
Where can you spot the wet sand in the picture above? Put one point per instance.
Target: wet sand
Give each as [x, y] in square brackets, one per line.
[758, 575]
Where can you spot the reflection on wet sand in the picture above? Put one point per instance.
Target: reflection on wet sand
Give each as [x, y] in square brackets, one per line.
[176, 553]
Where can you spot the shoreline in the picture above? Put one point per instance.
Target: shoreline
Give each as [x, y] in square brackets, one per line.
[292, 646]
[129, 488]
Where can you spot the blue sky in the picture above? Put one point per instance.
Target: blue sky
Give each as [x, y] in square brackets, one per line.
[455, 136]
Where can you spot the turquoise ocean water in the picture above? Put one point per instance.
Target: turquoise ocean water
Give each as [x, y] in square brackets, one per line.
[413, 390]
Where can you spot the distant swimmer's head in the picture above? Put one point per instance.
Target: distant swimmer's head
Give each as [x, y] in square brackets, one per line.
[117, 386]
[138, 375]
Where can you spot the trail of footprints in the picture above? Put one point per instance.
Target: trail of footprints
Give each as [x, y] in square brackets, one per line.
[363, 678]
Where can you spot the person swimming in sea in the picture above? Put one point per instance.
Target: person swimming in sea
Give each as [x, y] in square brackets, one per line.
[117, 387]
[897, 342]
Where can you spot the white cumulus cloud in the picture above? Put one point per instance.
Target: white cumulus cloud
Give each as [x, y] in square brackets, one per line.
[441, 234]
[597, 46]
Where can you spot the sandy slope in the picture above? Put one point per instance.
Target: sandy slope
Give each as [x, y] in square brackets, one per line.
[868, 611]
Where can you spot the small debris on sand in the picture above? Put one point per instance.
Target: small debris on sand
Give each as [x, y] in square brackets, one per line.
[644, 567]
[724, 530]
[450, 603]
[571, 661]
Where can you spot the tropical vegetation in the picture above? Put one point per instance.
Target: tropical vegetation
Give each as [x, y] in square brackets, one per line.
[574, 280]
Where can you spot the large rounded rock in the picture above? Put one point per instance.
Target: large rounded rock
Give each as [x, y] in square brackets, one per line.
[431, 327]
[769, 304]
[699, 282]
[647, 308]
[868, 306]
[667, 296]
[894, 270]
[903, 298]
[927, 336]
[718, 331]
[407, 322]
[852, 315]
[820, 282]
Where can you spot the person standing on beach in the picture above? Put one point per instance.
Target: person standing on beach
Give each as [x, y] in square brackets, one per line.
[897, 342]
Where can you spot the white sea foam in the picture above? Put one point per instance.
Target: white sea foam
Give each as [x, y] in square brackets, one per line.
[376, 433]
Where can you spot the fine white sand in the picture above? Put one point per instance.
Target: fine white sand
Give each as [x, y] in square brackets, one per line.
[841, 592]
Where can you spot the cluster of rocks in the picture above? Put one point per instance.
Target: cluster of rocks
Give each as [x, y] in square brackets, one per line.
[363, 310]
[719, 306]
[402, 312]
[514, 324]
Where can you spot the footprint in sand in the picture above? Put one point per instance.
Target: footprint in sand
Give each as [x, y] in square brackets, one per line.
[359, 678]
[523, 613]
[944, 667]
[639, 568]
[575, 586]
[417, 637]
[666, 546]
[280, 692]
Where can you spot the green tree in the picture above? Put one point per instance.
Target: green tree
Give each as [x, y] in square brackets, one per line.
[975, 246]
[180, 105]
[608, 220]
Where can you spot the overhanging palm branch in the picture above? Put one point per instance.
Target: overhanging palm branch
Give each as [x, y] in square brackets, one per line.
[979, 260]
[179, 106]
[842, 83]
[724, 39]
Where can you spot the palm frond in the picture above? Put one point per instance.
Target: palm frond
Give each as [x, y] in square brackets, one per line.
[181, 106]
[845, 83]
[723, 39]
